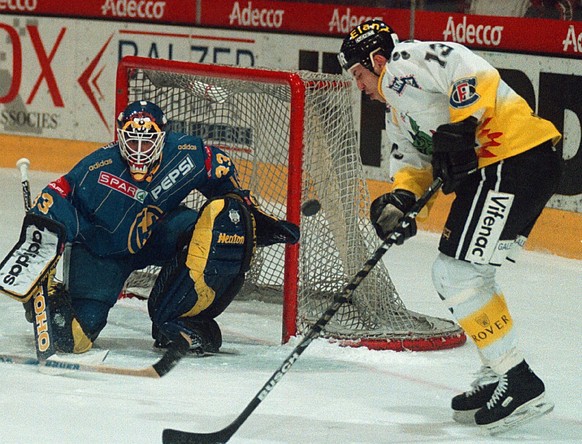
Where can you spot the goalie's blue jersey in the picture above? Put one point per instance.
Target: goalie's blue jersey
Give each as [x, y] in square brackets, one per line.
[102, 207]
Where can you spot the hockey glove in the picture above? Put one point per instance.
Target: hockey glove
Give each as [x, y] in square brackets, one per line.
[454, 156]
[386, 212]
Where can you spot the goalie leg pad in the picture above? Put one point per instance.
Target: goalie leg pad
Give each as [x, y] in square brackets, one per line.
[69, 336]
[37, 251]
[204, 333]
[93, 284]
[202, 280]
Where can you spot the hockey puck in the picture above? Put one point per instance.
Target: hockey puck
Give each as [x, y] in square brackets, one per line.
[310, 207]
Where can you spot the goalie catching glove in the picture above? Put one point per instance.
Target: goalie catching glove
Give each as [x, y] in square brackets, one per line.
[454, 157]
[386, 212]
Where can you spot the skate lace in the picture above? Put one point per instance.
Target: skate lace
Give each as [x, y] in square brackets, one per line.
[484, 376]
[498, 393]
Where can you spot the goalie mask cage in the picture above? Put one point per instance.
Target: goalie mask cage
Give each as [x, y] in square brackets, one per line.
[292, 138]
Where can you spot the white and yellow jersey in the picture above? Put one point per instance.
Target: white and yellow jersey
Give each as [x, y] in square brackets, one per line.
[427, 84]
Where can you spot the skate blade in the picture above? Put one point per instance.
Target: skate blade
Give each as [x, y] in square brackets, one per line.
[529, 411]
[92, 357]
[464, 416]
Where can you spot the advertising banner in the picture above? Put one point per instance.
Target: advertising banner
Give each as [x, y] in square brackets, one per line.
[57, 76]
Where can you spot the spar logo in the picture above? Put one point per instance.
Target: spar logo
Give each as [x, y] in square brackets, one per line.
[111, 181]
[18, 5]
[150, 9]
[470, 33]
[464, 93]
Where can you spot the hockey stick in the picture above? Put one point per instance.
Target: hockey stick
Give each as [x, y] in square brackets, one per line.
[166, 363]
[36, 308]
[23, 164]
[171, 436]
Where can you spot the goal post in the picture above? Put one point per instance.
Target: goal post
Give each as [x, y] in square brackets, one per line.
[292, 137]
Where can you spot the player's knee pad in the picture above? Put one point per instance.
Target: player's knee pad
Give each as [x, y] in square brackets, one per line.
[473, 296]
[458, 281]
[209, 270]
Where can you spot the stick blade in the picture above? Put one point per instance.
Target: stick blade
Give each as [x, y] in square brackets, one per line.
[171, 436]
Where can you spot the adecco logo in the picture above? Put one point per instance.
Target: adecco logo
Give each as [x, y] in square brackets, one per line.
[572, 41]
[151, 9]
[343, 23]
[481, 34]
[249, 16]
[18, 5]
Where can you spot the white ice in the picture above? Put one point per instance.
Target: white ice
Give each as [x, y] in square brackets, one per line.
[331, 395]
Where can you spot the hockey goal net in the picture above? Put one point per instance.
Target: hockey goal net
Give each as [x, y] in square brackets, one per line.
[292, 137]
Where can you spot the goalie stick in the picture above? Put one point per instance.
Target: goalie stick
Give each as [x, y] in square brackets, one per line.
[23, 164]
[36, 308]
[171, 436]
[166, 363]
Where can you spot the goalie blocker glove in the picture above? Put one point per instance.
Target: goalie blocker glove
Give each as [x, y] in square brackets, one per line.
[386, 212]
[454, 156]
[32, 258]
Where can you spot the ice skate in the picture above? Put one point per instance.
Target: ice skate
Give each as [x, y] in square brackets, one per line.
[466, 404]
[518, 398]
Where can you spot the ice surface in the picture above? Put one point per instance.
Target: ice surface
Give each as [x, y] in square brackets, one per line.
[331, 395]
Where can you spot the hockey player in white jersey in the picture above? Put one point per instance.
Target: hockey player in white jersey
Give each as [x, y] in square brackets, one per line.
[450, 115]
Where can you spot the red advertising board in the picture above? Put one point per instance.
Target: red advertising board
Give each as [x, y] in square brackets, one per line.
[501, 33]
[162, 11]
[542, 36]
[300, 17]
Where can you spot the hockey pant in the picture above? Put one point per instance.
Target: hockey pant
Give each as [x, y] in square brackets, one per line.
[207, 273]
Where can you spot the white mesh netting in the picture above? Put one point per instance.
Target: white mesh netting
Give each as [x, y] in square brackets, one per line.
[251, 118]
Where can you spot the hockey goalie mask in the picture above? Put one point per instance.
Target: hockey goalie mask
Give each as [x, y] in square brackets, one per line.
[141, 138]
[364, 41]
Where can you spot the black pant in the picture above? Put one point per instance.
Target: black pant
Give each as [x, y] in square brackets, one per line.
[499, 203]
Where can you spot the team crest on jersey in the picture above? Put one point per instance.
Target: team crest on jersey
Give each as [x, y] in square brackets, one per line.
[122, 186]
[464, 93]
[399, 83]
[141, 229]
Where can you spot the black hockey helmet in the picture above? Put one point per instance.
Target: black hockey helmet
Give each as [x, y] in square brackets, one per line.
[368, 38]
